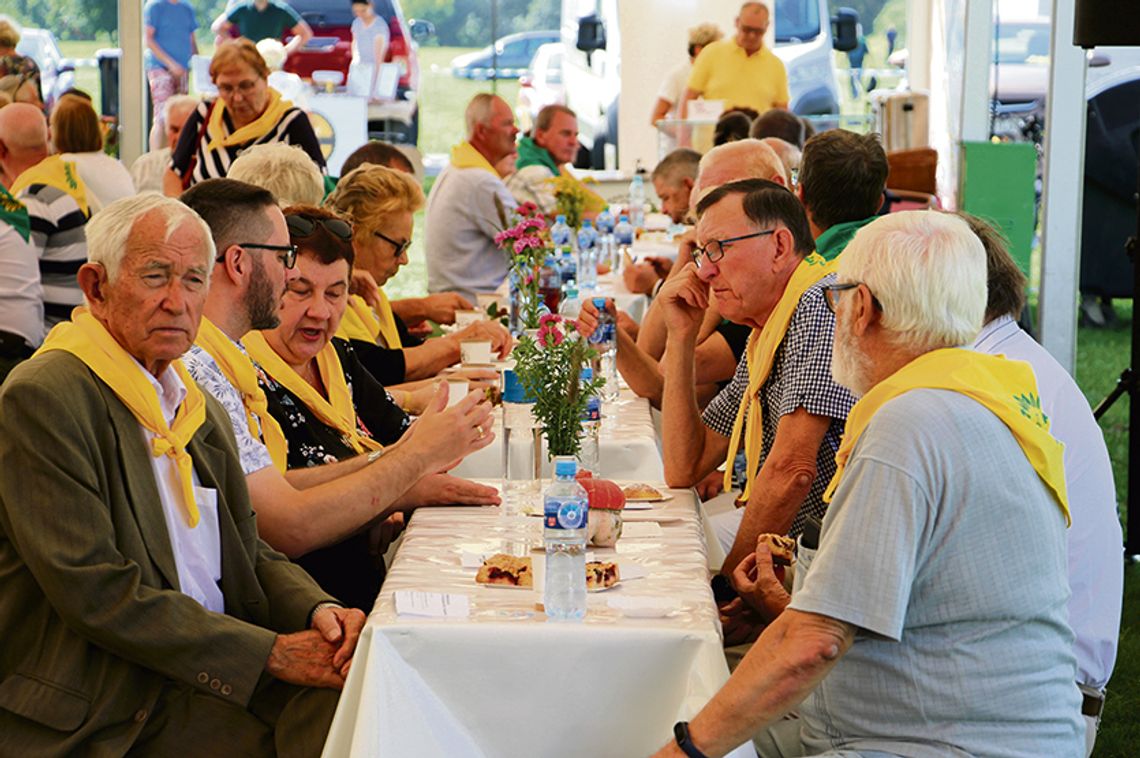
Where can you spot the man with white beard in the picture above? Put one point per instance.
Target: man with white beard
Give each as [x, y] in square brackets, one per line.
[932, 619]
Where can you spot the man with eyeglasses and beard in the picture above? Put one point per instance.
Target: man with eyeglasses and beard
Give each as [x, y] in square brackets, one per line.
[301, 510]
[782, 408]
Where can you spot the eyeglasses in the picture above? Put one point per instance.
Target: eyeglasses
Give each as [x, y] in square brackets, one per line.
[244, 87]
[303, 226]
[713, 250]
[831, 295]
[757, 31]
[287, 254]
[400, 246]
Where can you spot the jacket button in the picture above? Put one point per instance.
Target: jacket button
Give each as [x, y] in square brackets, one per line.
[215, 683]
[203, 677]
[226, 689]
[140, 715]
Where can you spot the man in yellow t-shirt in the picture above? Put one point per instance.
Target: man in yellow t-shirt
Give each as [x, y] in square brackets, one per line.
[740, 71]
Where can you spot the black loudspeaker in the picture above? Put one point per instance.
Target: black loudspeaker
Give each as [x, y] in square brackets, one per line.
[1106, 22]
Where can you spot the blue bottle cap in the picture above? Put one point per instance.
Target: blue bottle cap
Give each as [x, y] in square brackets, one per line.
[587, 374]
[513, 390]
[586, 223]
[560, 218]
[565, 465]
[600, 303]
[623, 218]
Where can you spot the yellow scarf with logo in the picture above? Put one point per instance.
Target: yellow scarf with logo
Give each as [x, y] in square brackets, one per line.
[337, 411]
[1007, 388]
[259, 127]
[361, 322]
[238, 368]
[464, 155]
[762, 347]
[89, 341]
[55, 172]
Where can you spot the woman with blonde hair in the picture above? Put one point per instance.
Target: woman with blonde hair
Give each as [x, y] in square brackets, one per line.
[381, 202]
[246, 112]
[77, 136]
[23, 67]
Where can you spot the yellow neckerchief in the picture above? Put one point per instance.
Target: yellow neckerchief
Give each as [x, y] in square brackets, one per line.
[361, 322]
[89, 341]
[55, 172]
[338, 411]
[1007, 388]
[259, 127]
[464, 155]
[762, 347]
[239, 370]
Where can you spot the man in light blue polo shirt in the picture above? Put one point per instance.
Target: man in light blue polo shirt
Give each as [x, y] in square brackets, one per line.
[170, 42]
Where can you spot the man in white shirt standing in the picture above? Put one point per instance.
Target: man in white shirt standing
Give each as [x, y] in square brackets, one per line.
[1095, 541]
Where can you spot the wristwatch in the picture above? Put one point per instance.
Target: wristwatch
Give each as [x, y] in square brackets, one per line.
[685, 742]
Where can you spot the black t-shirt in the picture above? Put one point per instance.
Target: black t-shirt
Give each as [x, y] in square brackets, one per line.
[346, 570]
[387, 365]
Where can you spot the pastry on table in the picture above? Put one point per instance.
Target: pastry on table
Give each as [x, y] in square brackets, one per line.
[601, 575]
[642, 491]
[783, 549]
[511, 570]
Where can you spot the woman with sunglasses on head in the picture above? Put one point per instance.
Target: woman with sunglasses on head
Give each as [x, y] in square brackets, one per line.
[381, 202]
[246, 112]
[328, 406]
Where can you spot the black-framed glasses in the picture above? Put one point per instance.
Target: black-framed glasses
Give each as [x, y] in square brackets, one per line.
[400, 246]
[287, 254]
[713, 250]
[831, 295]
[304, 226]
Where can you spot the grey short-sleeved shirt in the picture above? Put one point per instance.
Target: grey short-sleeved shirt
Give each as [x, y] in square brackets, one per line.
[946, 550]
[800, 378]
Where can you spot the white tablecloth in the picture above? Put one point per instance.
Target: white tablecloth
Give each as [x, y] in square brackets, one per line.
[506, 682]
[628, 445]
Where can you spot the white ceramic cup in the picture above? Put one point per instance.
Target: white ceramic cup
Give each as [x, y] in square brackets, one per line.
[475, 352]
[457, 389]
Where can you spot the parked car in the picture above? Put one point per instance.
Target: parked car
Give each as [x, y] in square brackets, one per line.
[541, 85]
[330, 49]
[508, 59]
[57, 74]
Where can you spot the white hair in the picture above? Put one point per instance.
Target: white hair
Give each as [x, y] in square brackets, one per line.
[285, 170]
[108, 230]
[478, 111]
[928, 271]
[790, 155]
[272, 52]
[178, 102]
[742, 159]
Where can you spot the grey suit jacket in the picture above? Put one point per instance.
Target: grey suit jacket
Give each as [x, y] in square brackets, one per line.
[92, 624]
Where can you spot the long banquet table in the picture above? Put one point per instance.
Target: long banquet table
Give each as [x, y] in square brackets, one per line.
[504, 681]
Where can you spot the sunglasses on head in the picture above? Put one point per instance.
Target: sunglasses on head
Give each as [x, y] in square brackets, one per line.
[304, 226]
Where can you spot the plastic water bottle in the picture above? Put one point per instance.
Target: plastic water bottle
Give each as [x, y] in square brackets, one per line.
[565, 512]
[550, 284]
[623, 240]
[568, 267]
[522, 448]
[606, 237]
[589, 453]
[560, 233]
[637, 201]
[587, 256]
[571, 305]
[604, 340]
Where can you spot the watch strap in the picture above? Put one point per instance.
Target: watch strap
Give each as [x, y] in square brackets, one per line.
[685, 741]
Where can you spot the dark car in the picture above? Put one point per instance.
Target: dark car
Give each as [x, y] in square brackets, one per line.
[330, 49]
[509, 59]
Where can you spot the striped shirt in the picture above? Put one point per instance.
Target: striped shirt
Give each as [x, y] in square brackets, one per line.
[58, 237]
[293, 129]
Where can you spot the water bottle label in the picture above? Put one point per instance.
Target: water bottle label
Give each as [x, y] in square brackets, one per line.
[604, 334]
[565, 514]
[593, 410]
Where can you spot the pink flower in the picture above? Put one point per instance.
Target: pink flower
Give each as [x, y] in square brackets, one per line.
[549, 336]
[519, 246]
[549, 319]
[529, 278]
[500, 238]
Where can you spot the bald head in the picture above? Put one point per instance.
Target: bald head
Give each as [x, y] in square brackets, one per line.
[788, 154]
[743, 159]
[23, 139]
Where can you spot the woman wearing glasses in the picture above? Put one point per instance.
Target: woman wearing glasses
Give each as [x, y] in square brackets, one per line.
[328, 406]
[381, 202]
[246, 112]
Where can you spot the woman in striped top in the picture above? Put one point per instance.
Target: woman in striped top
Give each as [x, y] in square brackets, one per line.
[246, 112]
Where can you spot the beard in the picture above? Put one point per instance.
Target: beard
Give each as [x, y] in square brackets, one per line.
[261, 301]
[850, 366]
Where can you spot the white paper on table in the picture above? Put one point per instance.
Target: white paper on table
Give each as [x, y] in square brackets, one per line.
[639, 530]
[432, 604]
[638, 505]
